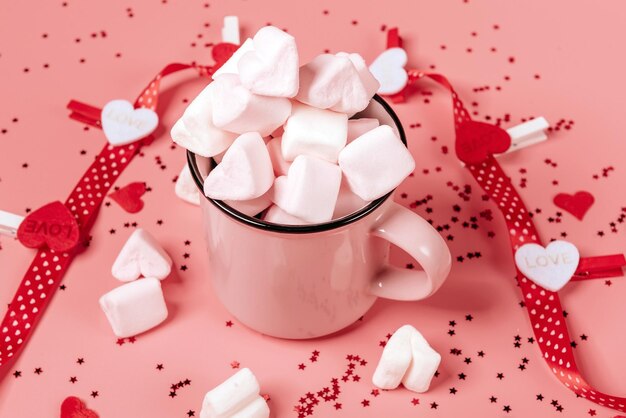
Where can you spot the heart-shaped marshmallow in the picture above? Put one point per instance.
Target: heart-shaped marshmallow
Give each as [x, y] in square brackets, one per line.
[252, 207]
[577, 204]
[278, 216]
[123, 124]
[370, 82]
[129, 196]
[195, 130]
[424, 364]
[141, 255]
[475, 141]
[72, 407]
[271, 67]
[238, 396]
[388, 68]
[332, 82]
[551, 267]
[52, 225]
[245, 171]
[185, 188]
[241, 111]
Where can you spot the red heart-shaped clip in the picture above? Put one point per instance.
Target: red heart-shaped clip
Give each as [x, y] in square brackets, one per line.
[53, 225]
[129, 196]
[475, 141]
[72, 407]
[222, 52]
[577, 204]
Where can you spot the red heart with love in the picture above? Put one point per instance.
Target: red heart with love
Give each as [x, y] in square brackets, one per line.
[577, 204]
[475, 141]
[52, 225]
[222, 52]
[72, 407]
[129, 196]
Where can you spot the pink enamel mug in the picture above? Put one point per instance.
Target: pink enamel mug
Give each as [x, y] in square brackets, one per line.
[308, 281]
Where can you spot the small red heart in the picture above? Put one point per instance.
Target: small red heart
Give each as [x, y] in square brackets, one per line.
[577, 204]
[475, 141]
[222, 52]
[52, 224]
[129, 196]
[72, 407]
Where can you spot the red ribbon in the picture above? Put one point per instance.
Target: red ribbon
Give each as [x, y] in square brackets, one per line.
[47, 269]
[544, 307]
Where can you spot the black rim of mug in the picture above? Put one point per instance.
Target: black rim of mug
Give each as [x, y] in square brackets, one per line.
[295, 229]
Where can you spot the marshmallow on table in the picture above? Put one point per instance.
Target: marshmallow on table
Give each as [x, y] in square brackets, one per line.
[310, 189]
[375, 163]
[134, 307]
[274, 147]
[367, 78]
[332, 82]
[238, 396]
[141, 255]
[195, 130]
[395, 359]
[278, 216]
[185, 188]
[347, 202]
[252, 207]
[315, 132]
[245, 171]
[424, 364]
[357, 127]
[238, 110]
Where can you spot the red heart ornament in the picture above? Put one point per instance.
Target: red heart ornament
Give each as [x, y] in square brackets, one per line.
[222, 52]
[577, 204]
[475, 141]
[53, 225]
[72, 407]
[129, 196]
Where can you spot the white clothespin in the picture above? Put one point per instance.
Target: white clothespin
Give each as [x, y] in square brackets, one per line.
[9, 222]
[230, 31]
[528, 133]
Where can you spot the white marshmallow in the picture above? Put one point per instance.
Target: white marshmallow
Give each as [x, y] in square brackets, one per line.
[271, 68]
[395, 359]
[252, 207]
[274, 147]
[195, 130]
[238, 110]
[141, 255]
[332, 82]
[357, 127]
[230, 66]
[244, 173]
[232, 396]
[278, 216]
[347, 202]
[424, 364]
[134, 307]
[375, 163]
[315, 132]
[310, 189]
[255, 409]
[185, 188]
[367, 78]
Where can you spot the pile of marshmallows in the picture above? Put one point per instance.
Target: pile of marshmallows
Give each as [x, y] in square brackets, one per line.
[282, 135]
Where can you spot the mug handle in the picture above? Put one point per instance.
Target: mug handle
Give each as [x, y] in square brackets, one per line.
[409, 231]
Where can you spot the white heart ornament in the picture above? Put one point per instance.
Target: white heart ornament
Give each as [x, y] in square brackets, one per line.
[123, 124]
[551, 267]
[388, 69]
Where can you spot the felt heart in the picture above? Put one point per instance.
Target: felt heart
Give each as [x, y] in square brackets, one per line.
[129, 196]
[141, 255]
[388, 69]
[551, 267]
[222, 52]
[72, 407]
[475, 141]
[53, 225]
[577, 204]
[123, 124]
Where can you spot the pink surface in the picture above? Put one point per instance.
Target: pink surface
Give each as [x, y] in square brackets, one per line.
[512, 60]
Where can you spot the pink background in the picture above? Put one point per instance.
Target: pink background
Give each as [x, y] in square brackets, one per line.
[559, 59]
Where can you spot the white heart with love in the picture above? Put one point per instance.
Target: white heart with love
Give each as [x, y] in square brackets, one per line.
[551, 267]
[123, 124]
[388, 69]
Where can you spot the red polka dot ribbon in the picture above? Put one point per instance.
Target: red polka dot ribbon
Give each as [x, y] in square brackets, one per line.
[48, 267]
[543, 306]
